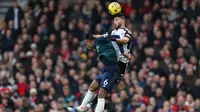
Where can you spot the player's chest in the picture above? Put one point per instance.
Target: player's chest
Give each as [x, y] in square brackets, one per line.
[119, 32]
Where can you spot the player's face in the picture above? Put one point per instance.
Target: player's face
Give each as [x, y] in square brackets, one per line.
[117, 22]
[89, 43]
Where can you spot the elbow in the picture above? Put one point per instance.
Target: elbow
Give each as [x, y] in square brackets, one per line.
[125, 41]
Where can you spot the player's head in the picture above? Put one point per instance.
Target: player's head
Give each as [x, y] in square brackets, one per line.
[89, 40]
[119, 20]
[89, 43]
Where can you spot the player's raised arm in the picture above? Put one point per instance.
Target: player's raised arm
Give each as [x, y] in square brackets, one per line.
[98, 36]
[123, 40]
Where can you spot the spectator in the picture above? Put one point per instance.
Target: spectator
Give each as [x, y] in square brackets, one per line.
[8, 41]
[23, 87]
[172, 86]
[15, 14]
[6, 102]
[180, 85]
[164, 87]
[195, 89]
[33, 97]
[197, 105]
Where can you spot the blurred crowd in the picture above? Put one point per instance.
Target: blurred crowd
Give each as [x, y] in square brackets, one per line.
[45, 66]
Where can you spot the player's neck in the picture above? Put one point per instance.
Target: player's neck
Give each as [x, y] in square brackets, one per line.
[122, 26]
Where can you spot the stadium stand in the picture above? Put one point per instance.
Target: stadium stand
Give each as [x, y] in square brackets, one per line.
[45, 66]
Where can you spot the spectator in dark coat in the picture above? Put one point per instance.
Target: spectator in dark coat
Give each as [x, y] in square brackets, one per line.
[172, 86]
[196, 89]
[16, 14]
[8, 41]
[159, 98]
[180, 85]
[189, 79]
[163, 85]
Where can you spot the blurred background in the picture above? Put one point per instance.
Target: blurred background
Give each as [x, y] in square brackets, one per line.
[45, 66]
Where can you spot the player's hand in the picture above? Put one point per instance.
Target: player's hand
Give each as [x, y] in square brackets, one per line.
[129, 56]
[89, 36]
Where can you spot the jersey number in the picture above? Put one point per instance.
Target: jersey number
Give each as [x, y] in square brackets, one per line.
[105, 83]
[97, 48]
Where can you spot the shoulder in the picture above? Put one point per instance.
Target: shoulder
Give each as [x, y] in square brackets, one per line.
[127, 30]
[128, 33]
[111, 30]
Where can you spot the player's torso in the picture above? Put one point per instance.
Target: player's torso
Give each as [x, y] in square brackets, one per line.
[105, 48]
[121, 32]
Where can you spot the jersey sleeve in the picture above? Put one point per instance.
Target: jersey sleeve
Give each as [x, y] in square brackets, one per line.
[128, 34]
[109, 32]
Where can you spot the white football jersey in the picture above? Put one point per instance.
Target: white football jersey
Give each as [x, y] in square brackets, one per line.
[122, 48]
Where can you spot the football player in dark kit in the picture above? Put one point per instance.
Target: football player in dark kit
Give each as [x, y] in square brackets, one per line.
[110, 73]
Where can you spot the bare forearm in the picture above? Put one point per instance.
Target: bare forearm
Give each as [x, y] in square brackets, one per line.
[97, 36]
[122, 41]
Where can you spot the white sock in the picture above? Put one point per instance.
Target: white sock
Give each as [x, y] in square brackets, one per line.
[100, 105]
[84, 108]
[89, 106]
[70, 109]
[88, 98]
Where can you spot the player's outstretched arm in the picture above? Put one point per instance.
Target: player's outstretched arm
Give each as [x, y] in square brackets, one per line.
[119, 40]
[124, 40]
[98, 36]
[91, 36]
